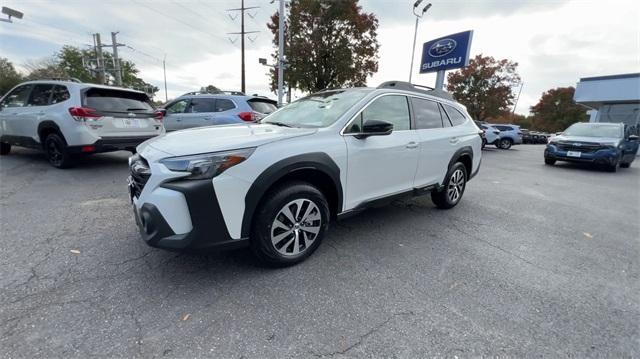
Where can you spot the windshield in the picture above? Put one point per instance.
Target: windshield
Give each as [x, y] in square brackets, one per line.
[317, 110]
[593, 130]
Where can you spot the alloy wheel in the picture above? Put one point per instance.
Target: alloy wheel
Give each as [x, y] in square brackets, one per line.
[455, 186]
[54, 153]
[295, 227]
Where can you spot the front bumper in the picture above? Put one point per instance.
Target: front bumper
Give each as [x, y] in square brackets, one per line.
[609, 156]
[208, 229]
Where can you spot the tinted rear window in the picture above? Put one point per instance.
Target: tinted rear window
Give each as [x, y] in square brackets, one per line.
[262, 106]
[109, 100]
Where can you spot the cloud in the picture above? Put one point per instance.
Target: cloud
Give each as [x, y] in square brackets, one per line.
[555, 42]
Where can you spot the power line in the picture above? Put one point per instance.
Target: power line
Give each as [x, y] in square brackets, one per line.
[175, 19]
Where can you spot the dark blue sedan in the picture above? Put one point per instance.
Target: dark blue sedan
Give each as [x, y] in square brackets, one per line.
[604, 144]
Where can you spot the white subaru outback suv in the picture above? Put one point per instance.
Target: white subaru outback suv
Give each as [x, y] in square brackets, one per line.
[66, 118]
[275, 185]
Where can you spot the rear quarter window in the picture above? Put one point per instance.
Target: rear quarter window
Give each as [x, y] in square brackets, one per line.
[113, 100]
[456, 117]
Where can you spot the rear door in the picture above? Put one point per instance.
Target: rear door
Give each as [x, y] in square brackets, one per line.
[226, 112]
[36, 110]
[121, 113]
[434, 134]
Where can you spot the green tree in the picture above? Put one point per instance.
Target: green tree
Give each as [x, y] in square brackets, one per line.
[557, 110]
[9, 77]
[485, 86]
[329, 44]
[209, 89]
[69, 63]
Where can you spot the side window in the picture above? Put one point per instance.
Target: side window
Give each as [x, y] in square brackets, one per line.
[392, 108]
[455, 116]
[178, 106]
[224, 105]
[40, 95]
[60, 94]
[202, 105]
[17, 97]
[427, 114]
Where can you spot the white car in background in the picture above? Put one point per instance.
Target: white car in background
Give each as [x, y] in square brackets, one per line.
[491, 135]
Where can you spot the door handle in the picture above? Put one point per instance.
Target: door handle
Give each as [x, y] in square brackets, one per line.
[411, 145]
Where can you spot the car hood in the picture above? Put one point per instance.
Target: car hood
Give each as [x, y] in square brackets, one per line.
[599, 140]
[216, 138]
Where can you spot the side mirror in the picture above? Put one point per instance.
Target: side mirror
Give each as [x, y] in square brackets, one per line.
[375, 128]
[633, 138]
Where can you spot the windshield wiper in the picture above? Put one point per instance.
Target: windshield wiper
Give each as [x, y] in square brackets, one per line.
[136, 109]
[279, 124]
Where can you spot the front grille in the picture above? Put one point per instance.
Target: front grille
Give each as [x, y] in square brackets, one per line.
[585, 147]
[140, 173]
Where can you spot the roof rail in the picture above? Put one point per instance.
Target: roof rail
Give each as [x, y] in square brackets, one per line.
[407, 86]
[70, 79]
[195, 93]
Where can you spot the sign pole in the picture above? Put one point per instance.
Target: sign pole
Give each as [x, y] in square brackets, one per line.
[439, 79]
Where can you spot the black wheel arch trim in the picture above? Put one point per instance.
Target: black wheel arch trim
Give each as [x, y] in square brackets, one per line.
[45, 125]
[463, 151]
[319, 161]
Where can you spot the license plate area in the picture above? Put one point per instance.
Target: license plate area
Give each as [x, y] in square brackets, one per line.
[574, 154]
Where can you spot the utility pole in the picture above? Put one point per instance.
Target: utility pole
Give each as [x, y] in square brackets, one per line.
[281, 16]
[242, 9]
[116, 60]
[99, 58]
[164, 70]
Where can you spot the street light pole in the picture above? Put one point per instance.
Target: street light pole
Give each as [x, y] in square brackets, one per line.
[280, 52]
[415, 32]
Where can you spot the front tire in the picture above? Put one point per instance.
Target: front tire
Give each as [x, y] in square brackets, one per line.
[505, 143]
[5, 148]
[290, 224]
[455, 184]
[56, 150]
[549, 161]
[625, 165]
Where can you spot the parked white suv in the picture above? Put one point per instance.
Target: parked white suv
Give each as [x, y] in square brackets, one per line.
[67, 118]
[275, 185]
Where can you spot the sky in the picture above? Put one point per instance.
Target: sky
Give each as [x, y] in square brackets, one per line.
[555, 43]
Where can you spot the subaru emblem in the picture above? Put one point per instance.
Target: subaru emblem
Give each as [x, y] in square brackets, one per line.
[442, 47]
[577, 144]
[131, 114]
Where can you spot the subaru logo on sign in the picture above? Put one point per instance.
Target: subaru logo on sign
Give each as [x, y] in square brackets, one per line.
[442, 47]
[447, 52]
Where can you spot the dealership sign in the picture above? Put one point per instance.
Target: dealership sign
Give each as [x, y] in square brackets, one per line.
[448, 52]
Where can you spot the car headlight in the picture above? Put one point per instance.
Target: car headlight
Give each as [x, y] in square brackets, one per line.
[612, 145]
[207, 165]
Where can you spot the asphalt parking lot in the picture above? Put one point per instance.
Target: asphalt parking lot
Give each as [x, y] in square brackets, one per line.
[536, 260]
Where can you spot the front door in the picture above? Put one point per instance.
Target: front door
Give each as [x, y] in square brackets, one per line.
[201, 112]
[175, 115]
[380, 166]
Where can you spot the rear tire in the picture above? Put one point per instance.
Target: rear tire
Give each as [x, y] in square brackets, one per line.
[56, 149]
[549, 161]
[290, 224]
[5, 148]
[625, 165]
[454, 186]
[484, 143]
[505, 143]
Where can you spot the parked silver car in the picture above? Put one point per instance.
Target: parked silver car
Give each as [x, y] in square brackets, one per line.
[196, 110]
[66, 118]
